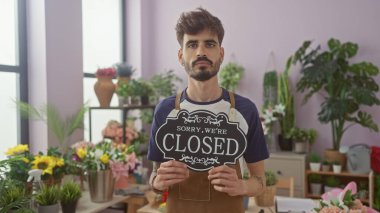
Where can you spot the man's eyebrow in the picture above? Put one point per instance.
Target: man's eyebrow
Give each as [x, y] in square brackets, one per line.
[211, 41]
[191, 42]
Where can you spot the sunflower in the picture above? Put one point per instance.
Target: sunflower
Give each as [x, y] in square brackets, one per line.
[45, 163]
[19, 149]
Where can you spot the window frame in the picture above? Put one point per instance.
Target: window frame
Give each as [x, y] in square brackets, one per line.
[21, 69]
[123, 38]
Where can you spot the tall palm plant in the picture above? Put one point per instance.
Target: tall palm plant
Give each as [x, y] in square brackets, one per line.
[60, 127]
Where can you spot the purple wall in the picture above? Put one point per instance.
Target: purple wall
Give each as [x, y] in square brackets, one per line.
[255, 28]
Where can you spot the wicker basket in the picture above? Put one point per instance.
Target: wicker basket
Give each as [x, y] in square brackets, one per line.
[267, 197]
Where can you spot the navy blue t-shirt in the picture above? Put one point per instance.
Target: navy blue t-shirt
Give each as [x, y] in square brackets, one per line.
[246, 115]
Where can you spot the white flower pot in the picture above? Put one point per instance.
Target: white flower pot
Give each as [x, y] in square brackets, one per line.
[337, 168]
[315, 167]
[316, 189]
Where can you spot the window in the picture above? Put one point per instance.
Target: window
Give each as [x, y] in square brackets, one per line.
[13, 73]
[103, 42]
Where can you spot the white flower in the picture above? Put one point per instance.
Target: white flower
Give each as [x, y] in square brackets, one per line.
[98, 153]
[280, 109]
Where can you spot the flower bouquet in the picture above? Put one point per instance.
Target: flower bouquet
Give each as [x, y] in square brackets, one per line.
[52, 164]
[342, 201]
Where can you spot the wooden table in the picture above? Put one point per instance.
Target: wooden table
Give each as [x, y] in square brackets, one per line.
[252, 207]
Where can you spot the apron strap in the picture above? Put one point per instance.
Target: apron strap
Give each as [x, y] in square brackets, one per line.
[232, 99]
[178, 100]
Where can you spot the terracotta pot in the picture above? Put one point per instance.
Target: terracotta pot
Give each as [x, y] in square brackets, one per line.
[333, 156]
[104, 89]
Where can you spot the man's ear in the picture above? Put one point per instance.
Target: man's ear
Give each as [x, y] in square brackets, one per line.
[180, 56]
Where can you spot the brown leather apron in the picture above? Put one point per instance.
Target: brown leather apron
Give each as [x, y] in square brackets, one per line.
[197, 195]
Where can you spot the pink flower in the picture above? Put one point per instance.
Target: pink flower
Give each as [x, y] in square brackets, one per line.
[106, 72]
[119, 169]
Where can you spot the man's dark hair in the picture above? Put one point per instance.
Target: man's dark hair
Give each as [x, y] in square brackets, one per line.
[194, 22]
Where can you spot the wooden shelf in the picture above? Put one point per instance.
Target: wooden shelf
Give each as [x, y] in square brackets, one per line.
[343, 174]
[345, 177]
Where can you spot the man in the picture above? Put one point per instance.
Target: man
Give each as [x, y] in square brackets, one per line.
[220, 189]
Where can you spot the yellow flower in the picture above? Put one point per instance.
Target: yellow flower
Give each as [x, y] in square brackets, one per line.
[105, 159]
[59, 161]
[19, 149]
[81, 152]
[26, 160]
[45, 163]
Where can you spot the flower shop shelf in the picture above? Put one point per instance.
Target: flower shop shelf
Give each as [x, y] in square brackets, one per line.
[345, 177]
[124, 113]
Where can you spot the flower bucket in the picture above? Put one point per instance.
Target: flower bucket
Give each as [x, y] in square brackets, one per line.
[101, 185]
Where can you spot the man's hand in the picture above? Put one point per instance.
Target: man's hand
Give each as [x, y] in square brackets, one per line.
[169, 173]
[225, 179]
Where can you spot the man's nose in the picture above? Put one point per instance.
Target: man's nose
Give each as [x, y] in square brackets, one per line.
[201, 51]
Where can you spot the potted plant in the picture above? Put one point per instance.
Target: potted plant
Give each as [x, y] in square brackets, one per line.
[315, 181]
[124, 72]
[285, 97]
[104, 87]
[144, 90]
[230, 75]
[70, 194]
[164, 84]
[13, 196]
[302, 138]
[123, 92]
[363, 189]
[47, 198]
[337, 167]
[331, 182]
[270, 88]
[62, 128]
[315, 162]
[346, 87]
[267, 197]
[326, 166]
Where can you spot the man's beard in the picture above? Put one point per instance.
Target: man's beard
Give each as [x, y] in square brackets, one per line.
[203, 74]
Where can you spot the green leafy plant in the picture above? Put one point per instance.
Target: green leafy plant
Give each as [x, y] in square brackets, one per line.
[314, 158]
[345, 87]
[70, 192]
[302, 135]
[315, 178]
[270, 89]
[124, 89]
[286, 98]
[124, 70]
[332, 181]
[164, 84]
[271, 178]
[144, 88]
[13, 196]
[61, 128]
[230, 75]
[48, 195]
[376, 203]
[325, 162]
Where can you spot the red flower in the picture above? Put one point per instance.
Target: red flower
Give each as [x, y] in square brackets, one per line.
[106, 72]
[165, 196]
